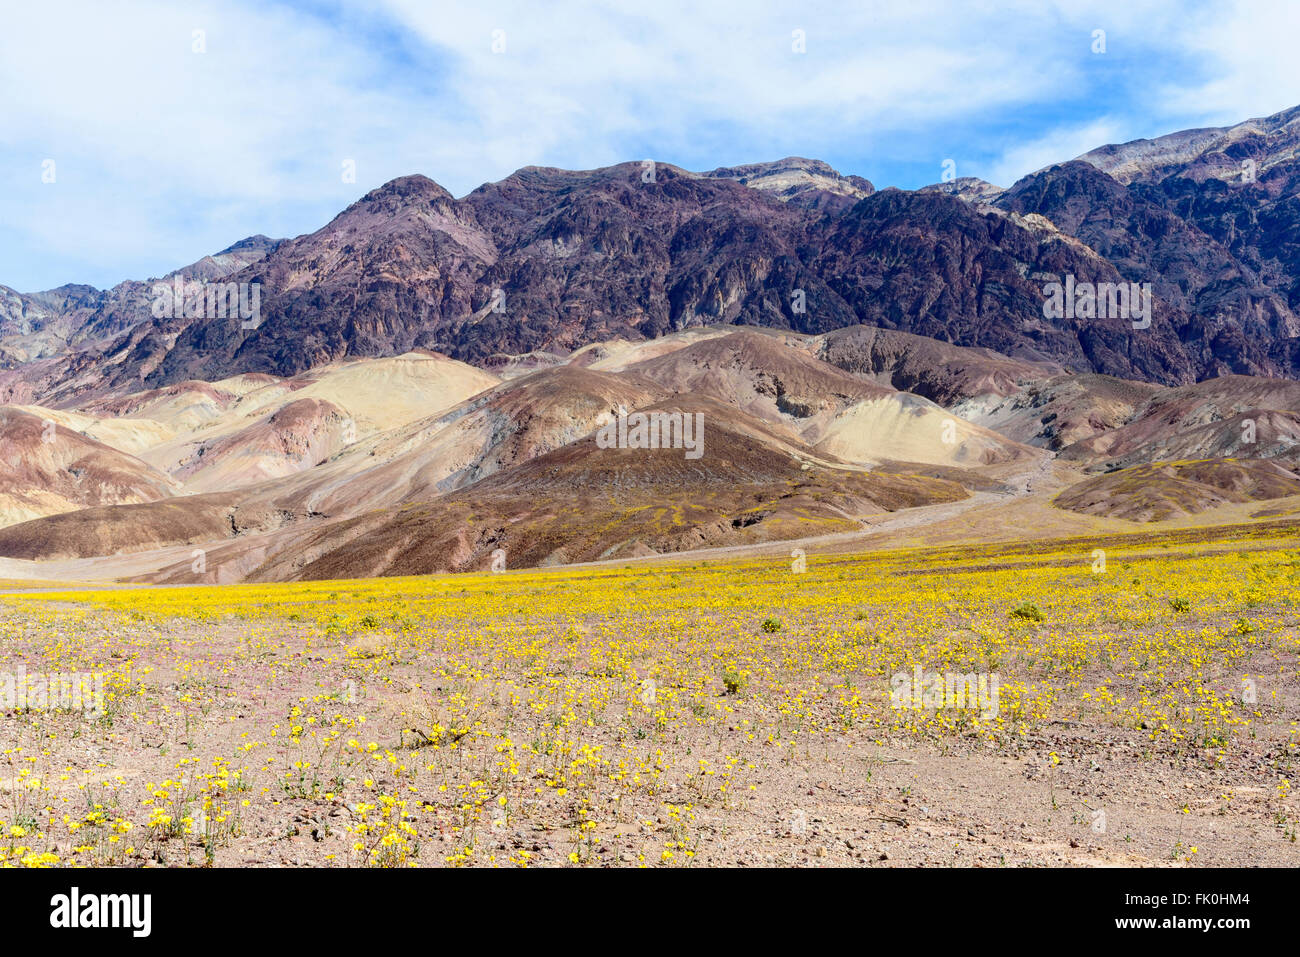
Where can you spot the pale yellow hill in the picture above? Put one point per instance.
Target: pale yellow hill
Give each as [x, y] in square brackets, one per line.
[50, 468]
[296, 437]
[617, 354]
[372, 395]
[127, 434]
[908, 428]
[245, 383]
[182, 408]
[382, 394]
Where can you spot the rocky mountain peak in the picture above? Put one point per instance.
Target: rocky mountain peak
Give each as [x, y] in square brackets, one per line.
[807, 182]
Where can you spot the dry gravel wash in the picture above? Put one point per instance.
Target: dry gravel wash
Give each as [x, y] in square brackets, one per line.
[505, 720]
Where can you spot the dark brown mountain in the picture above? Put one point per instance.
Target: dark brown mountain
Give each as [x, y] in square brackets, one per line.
[1227, 319]
[573, 258]
[70, 317]
[937, 266]
[1240, 185]
[547, 261]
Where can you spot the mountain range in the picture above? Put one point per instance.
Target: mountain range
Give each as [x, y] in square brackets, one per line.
[425, 376]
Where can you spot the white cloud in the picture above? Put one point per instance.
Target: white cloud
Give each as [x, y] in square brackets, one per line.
[1057, 146]
[1250, 49]
[165, 154]
[674, 74]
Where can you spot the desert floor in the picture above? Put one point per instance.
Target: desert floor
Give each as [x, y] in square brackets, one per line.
[723, 710]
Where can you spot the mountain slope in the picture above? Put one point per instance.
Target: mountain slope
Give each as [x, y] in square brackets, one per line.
[1227, 319]
[548, 261]
[50, 469]
[582, 503]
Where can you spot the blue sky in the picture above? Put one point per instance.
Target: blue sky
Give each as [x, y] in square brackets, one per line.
[167, 144]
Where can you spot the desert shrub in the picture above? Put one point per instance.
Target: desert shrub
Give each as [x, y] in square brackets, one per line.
[1027, 612]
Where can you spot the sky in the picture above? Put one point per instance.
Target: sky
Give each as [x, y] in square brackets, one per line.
[138, 136]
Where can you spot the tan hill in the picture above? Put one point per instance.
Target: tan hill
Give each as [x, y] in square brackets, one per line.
[417, 461]
[1232, 415]
[126, 434]
[1062, 410]
[250, 428]
[381, 394]
[761, 374]
[615, 355]
[49, 469]
[582, 503]
[904, 427]
[777, 378]
[1164, 490]
[504, 426]
[379, 466]
[378, 394]
[275, 456]
[181, 408]
[189, 521]
[1258, 433]
[939, 371]
[296, 437]
[572, 502]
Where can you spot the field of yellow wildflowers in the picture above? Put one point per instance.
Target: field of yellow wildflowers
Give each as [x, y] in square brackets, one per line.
[675, 714]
